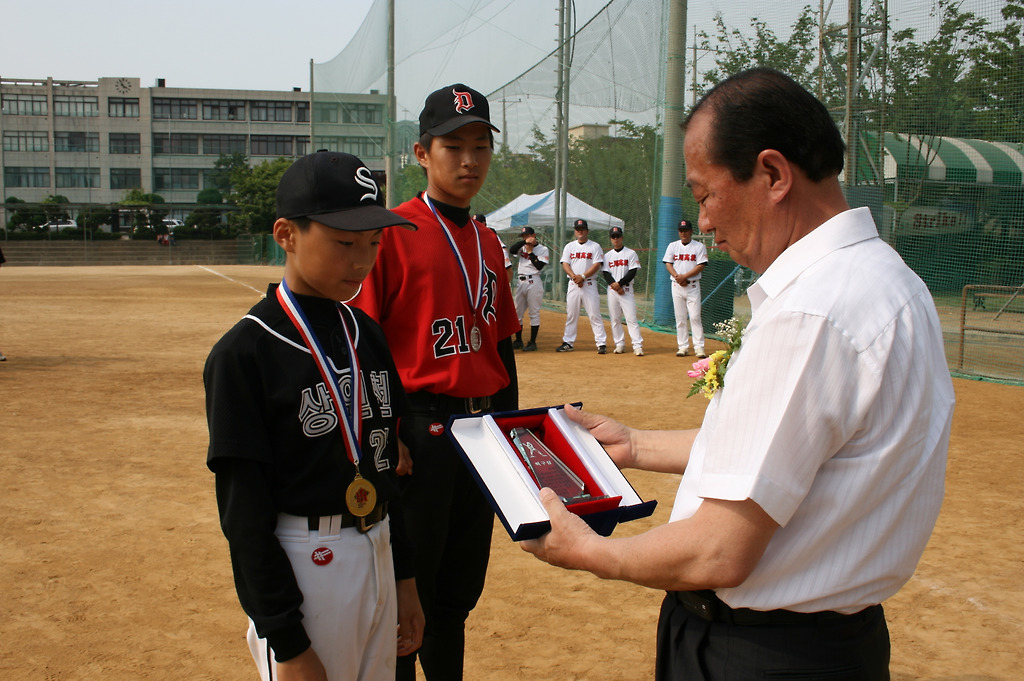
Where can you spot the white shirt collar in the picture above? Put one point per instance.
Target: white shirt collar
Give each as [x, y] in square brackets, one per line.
[841, 230]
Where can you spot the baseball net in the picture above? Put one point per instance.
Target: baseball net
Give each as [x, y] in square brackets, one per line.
[933, 115]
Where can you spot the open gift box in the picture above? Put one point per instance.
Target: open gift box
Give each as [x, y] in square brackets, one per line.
[486, 445]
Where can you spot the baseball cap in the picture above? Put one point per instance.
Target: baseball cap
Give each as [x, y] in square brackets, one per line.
[451, 108]
[685, 226]
[580, 224]
[527, 230]
[615, 232]
[336, 190]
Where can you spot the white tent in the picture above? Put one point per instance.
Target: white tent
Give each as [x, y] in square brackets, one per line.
[538, 210]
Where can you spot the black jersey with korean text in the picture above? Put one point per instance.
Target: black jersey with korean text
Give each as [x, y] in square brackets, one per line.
[276, 445]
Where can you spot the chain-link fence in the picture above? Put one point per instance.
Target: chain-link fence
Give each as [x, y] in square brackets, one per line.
[928, 95]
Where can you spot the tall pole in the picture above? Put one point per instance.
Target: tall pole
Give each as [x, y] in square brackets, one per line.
[850, 127]
[566, 72]
[389, 151]
[558, 282]
[670, 206]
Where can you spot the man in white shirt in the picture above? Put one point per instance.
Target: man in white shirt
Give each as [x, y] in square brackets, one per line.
[684, 260]
[810, 490]
[581, 261]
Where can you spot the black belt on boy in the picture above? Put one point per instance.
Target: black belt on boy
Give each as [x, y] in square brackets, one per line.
[424, 400]
[708, 606]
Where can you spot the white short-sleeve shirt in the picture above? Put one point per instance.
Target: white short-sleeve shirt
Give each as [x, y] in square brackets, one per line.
[835, 419]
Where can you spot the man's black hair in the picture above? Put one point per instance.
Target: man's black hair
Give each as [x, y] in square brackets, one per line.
[763, 109]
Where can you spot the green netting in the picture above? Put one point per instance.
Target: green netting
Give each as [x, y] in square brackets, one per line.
[928, 94]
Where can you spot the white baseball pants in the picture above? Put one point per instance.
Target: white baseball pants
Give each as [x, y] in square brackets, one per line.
[529, 297]
[624, 305]
[686, 303]
[349, 605]
[590, 298]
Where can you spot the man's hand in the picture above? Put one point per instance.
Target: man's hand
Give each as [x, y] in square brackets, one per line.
[410, 617]
[617, 287]
[404, 466]
[564, 546]
[616, 438]
[304, 667]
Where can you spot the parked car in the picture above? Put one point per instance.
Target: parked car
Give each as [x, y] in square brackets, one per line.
[172, 224]
[57, 225]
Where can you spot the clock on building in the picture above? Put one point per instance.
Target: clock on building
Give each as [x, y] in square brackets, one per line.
[123, 85]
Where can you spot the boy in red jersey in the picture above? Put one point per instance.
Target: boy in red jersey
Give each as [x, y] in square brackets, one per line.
[445, 304]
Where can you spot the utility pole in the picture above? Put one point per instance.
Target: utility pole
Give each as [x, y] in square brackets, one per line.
[392, 112]
[670, 206]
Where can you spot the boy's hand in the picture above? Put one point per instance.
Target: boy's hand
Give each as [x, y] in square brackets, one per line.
[410, 617]
[305, 667]
[404, 466]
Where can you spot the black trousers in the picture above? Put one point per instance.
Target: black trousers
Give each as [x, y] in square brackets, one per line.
[690, 648]
[450, 522]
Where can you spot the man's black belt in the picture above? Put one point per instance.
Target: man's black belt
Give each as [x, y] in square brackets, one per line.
[524, 277]
[449, 405]
[709, 607]
[378, 514]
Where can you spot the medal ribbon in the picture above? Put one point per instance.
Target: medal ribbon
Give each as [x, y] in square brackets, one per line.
[350, 419]
[474, 296]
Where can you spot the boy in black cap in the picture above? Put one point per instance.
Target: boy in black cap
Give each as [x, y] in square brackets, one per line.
[533, 256]
[303, 401]
[443, 299]
[581, 260]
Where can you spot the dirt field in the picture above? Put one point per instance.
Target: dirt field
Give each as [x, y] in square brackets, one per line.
[113, 565]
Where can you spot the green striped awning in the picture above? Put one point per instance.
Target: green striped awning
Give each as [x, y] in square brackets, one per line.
[949, 159]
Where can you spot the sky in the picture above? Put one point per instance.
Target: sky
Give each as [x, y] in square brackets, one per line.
[268, 44]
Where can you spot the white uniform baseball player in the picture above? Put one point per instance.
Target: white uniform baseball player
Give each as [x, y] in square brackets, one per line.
[621, 265]
[581, 261]
[533, 256]
[685, 260]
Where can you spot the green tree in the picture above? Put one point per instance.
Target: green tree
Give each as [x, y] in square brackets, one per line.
[226, 169]
[146, 213]
[55, 207]
[255, 193]
[206, 219]
[22, 218]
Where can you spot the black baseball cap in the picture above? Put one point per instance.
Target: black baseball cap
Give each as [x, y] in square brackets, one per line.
[615, 232]
[580, 224]
[452, 107]
[527, 230]
[685, 226]
[337, 190]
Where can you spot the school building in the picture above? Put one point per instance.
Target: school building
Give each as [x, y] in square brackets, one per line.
[94, 141]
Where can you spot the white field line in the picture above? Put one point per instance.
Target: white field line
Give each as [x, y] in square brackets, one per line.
[221, 274]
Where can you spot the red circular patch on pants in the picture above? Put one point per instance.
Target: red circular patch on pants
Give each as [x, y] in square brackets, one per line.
[322, 555]
[436, 429]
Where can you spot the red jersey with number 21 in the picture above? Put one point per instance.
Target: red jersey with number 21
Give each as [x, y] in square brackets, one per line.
[417, 293]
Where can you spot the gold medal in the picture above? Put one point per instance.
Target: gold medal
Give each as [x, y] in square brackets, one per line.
[360, 497]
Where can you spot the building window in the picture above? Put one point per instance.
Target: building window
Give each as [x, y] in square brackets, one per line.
[363, 147]
[175, 109]
[223, 110]
[362, 113]
[23, 105]
[125, 143]
[175, 178]
[325, 113]
[302, 112]
[77, 106]
[26, 141]
[123, 107]
[301, 146]
[278, 112]
[77, 177]
[271, 145]
[175, 143]
[76, 141]
[126, 178]
[223, 144]
[15, 176]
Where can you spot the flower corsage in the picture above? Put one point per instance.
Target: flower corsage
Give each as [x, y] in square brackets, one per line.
[710, 371]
